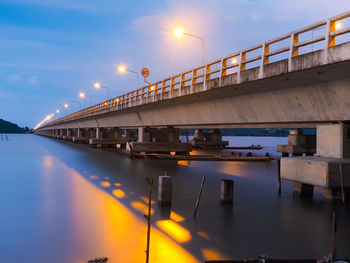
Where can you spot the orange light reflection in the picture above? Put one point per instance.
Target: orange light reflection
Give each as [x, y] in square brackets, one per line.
[105, 184]
[141, 207]
[174, 230]
[120, 234]
[176, 217]
[212, 254]
[145, 200]
[119, 193]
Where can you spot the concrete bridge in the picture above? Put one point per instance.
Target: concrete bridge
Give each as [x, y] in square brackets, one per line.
[283, 82]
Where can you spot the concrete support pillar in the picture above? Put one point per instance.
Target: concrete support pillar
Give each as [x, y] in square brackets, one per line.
[164, 190]
[301, 189]
[208, 139]
[79, 132]
[144, 134]
[298, 144]
[333, 140]
[99, 133]
[68, 132]
[116, 133]
[173, 134]
[226, 191]
[335, 194]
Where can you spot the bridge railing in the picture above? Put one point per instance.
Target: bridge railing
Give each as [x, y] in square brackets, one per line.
[258, 56]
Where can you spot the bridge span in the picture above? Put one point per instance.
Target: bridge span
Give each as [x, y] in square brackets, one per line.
[283, 82]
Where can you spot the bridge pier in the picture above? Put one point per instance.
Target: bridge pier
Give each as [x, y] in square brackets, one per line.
[82, 136]
[298, 144]
[159, 140]
[68, 136]
[109, 137]
[329, 169]
[204, 139]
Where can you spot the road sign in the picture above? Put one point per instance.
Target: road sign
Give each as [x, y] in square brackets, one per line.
[145, 72]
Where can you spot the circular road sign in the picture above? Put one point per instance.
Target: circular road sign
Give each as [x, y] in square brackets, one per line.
[145, 72]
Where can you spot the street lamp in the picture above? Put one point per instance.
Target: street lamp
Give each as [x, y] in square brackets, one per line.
[97, 85]
[179, 32]
[57, 111]
[123, 69]
[338, 26]
[83, 95]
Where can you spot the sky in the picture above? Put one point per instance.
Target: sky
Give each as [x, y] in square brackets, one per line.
[50, 50]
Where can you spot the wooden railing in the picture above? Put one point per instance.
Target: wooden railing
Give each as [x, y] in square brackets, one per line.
[233, 64]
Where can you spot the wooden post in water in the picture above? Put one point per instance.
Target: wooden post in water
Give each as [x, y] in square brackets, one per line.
[148, 217]
[279, 175]
[199, 196]
[334, 238]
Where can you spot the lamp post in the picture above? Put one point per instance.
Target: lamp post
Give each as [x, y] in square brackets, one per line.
[123, 69]
[179, 32]
[82, 95]
[97, 85]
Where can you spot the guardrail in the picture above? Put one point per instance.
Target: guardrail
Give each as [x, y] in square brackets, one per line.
[234, 64]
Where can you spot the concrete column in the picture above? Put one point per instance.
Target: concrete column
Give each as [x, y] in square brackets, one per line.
[333, 140]
[209, 138]
[173, 134]
[335, 194]
[68, 132]
[98, 133]
[164, 190]
[144, 134]
[79, 132]
[301, 189]
[226, 191]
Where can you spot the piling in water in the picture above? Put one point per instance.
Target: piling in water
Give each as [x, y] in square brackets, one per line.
[226, 191]
[164, 190]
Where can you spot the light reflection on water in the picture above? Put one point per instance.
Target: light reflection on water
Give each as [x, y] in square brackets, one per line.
[69, 203]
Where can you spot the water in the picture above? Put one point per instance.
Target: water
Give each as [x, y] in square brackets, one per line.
[69, 203]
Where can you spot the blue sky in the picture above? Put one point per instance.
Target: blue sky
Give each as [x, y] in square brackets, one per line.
[50, 50]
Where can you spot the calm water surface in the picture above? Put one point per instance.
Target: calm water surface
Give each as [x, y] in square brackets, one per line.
[66, 203]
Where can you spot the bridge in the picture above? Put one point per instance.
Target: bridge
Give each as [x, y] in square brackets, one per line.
[293, 81]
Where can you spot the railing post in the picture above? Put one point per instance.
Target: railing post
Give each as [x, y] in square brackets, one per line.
[206, 76]
[223, 64]
[293, 51]
[241, 66]
[329, 40]
[193, 80]
[182, 83]
[264, 59]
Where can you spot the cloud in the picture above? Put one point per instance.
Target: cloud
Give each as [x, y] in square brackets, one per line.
[33, 80]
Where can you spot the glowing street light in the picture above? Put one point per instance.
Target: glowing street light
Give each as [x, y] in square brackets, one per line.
[57, 111]
[97, 85]
[82, 95]
[338, 26]
[123, 69]
[179, 32]
[66, 105]
[234, 61]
